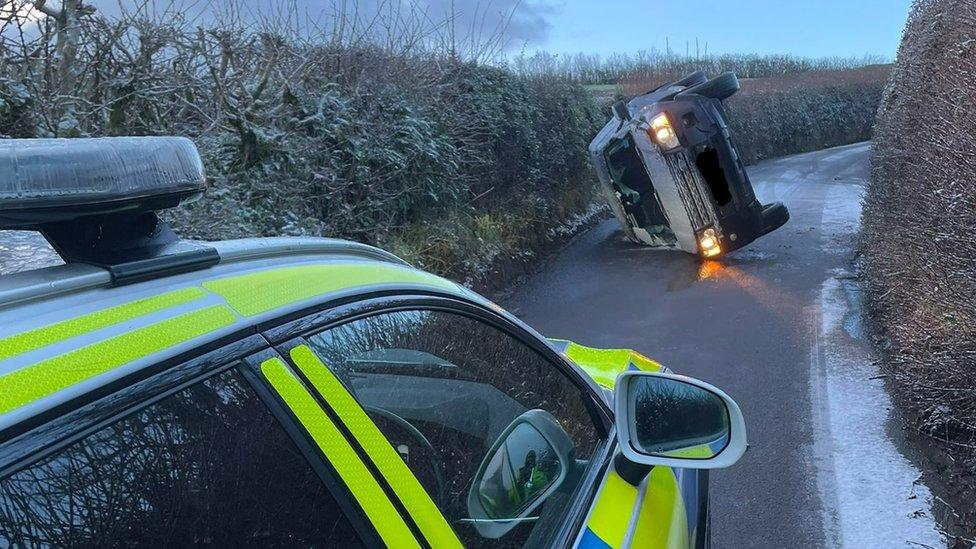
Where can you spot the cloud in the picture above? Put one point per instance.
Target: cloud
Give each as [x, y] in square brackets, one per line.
[522, 21]
[515, 22]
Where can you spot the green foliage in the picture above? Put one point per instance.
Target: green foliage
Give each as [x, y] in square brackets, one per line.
[492, 114]
[15, 109]
[449, 181]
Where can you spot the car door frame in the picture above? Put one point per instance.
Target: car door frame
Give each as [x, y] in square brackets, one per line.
[290, 333]
[314, 455]
[78, 420]
[33, 440]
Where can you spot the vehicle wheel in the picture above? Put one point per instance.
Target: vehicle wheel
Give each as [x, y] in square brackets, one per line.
[621, 111]
[774, 216]
[721, 87]
[693, 79]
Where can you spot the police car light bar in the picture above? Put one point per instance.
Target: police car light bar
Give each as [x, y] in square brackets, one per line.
[49, 180]
[95, 200]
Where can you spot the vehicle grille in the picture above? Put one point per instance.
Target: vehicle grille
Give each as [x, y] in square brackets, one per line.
[693, 190]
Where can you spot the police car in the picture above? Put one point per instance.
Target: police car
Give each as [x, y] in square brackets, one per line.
[307, 392]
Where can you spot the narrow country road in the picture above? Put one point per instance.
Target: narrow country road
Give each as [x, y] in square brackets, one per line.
[777, 326]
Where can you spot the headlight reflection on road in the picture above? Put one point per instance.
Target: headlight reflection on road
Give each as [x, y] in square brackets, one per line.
[769, 295]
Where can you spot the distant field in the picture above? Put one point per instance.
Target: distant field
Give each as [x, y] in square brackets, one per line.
[601, 88]
[603, 93]
[594, 69]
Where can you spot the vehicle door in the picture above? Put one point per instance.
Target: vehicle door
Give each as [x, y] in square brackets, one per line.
[482, 433]
[226, 449]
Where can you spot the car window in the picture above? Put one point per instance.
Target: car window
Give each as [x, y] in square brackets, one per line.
[444, 389]
[206, 466]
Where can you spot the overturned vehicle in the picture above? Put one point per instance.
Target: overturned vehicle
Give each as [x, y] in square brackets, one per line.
[672, 174]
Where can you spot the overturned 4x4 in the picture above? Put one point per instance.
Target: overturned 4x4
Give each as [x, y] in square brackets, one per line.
[672, 174]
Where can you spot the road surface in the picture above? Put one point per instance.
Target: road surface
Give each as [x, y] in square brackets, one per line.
[777, 326]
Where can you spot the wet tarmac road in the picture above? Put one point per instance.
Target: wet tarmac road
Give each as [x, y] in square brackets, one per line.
[753, 324]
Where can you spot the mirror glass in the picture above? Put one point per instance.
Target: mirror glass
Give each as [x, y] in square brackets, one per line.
[519, 472]
[676, 419]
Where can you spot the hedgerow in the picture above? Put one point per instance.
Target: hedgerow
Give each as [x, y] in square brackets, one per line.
[919, 249]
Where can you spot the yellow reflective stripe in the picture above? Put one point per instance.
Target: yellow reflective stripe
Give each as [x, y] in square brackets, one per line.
[49, 376]
[662, 522]
[700, 451]
[643, 363]
[60, 331]
[423, 510]
[262, 291]
[614, 506]
[350, 468]
[604, 365]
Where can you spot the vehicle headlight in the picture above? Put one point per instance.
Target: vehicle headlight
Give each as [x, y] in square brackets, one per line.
[709, 243]
[663, 133]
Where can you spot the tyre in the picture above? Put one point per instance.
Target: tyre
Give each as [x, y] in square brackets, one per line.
[621, 111]
[774, 216]
[721, 87]
[693, 79]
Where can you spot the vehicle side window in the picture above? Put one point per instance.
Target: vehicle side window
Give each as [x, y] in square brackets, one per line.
[206, 466]
[443, 388]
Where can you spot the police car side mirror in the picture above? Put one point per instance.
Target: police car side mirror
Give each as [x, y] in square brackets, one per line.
[677, 421]
[526, 464]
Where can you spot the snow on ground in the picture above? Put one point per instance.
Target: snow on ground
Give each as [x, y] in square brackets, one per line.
[872, 495]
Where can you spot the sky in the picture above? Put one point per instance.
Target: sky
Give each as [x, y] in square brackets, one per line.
[805, 28]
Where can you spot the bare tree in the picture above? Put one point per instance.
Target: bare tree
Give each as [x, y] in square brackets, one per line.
[68, 31]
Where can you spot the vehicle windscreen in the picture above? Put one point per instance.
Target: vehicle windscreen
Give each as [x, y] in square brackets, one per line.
[630, 180]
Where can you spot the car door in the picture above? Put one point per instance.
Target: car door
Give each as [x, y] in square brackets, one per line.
[483, 434]
[226, 449]
[660, 511]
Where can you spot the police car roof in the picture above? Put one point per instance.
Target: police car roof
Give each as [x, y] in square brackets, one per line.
[22, 288]
[68, 331]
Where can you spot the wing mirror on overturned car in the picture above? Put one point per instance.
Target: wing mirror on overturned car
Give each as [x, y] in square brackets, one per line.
[675, 421]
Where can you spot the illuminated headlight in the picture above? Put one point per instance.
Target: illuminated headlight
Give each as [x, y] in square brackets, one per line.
[709, 243]
[663, 133]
